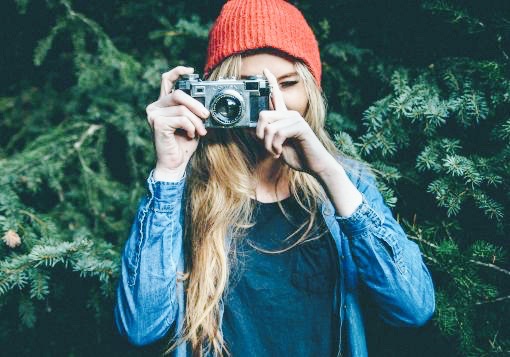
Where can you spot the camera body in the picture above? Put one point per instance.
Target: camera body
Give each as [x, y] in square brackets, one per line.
[232, 103]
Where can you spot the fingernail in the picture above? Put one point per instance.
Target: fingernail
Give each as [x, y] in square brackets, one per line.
[205, 112]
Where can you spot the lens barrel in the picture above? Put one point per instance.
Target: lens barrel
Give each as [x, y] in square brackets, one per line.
[227, 107]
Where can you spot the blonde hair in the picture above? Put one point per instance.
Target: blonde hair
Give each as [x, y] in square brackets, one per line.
[219, 189]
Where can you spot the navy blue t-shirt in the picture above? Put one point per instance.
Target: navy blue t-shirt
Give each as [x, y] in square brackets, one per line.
[282, 304]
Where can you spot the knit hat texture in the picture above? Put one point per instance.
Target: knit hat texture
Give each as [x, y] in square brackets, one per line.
[255, 24]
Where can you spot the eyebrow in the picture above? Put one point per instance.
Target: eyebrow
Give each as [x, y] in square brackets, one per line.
[279, 78]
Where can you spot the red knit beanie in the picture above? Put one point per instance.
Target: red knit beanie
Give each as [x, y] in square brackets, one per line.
[254, 24]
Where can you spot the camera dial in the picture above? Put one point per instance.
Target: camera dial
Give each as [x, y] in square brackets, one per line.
[192, 77]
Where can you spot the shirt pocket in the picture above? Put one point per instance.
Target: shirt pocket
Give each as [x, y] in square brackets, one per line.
[313, 267]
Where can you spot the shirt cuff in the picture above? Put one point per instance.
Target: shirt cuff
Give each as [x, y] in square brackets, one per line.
[363, 218]
[165, 192]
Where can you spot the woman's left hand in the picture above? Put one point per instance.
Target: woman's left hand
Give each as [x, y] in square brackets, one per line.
[286, 134]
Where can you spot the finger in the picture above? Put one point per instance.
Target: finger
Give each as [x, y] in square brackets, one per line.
[181, 110]
[266, 117]
[168, 79]
[178, 97]
[273, 130]
[279, 138]
[276, 93]
[282, 134]
[163, 123]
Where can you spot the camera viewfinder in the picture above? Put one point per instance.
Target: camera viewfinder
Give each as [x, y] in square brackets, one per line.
[251, 85]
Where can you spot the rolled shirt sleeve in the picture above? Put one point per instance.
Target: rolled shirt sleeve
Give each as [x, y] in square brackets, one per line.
[388, 263]
[146, 302]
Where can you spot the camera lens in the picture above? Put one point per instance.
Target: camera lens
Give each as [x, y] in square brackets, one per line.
[227, 107]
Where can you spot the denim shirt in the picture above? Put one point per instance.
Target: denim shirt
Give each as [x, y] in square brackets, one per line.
[372, 247]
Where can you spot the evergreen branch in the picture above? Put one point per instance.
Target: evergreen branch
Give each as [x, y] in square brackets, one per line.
[434, 260]
[489, 265]
[40, 255]
[41, 151]
[35, 218]
[26, 311]
[455, 15]
[87, 133]
[423, 241]
[477, 262]
[91, 24]
[501, 298]
[45, 44]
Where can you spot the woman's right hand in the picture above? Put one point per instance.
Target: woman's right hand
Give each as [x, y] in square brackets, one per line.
[177, 121]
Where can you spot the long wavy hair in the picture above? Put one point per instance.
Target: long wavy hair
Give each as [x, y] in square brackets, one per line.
[220, 185]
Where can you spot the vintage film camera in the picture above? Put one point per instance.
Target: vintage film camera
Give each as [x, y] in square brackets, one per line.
[232, 103]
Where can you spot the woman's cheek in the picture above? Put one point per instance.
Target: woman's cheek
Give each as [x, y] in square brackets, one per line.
[295, 98]
[296, 103]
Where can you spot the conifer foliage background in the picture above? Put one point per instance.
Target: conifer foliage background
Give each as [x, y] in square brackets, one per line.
[421, 89]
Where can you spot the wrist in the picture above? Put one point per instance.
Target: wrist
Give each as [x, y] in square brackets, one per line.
[341, 191]
[162, 173]
[331, 171]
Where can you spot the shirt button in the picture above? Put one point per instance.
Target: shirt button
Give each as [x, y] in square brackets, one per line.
[327, 212]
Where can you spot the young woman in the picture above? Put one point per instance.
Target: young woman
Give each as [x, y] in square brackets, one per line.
[260, 241]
